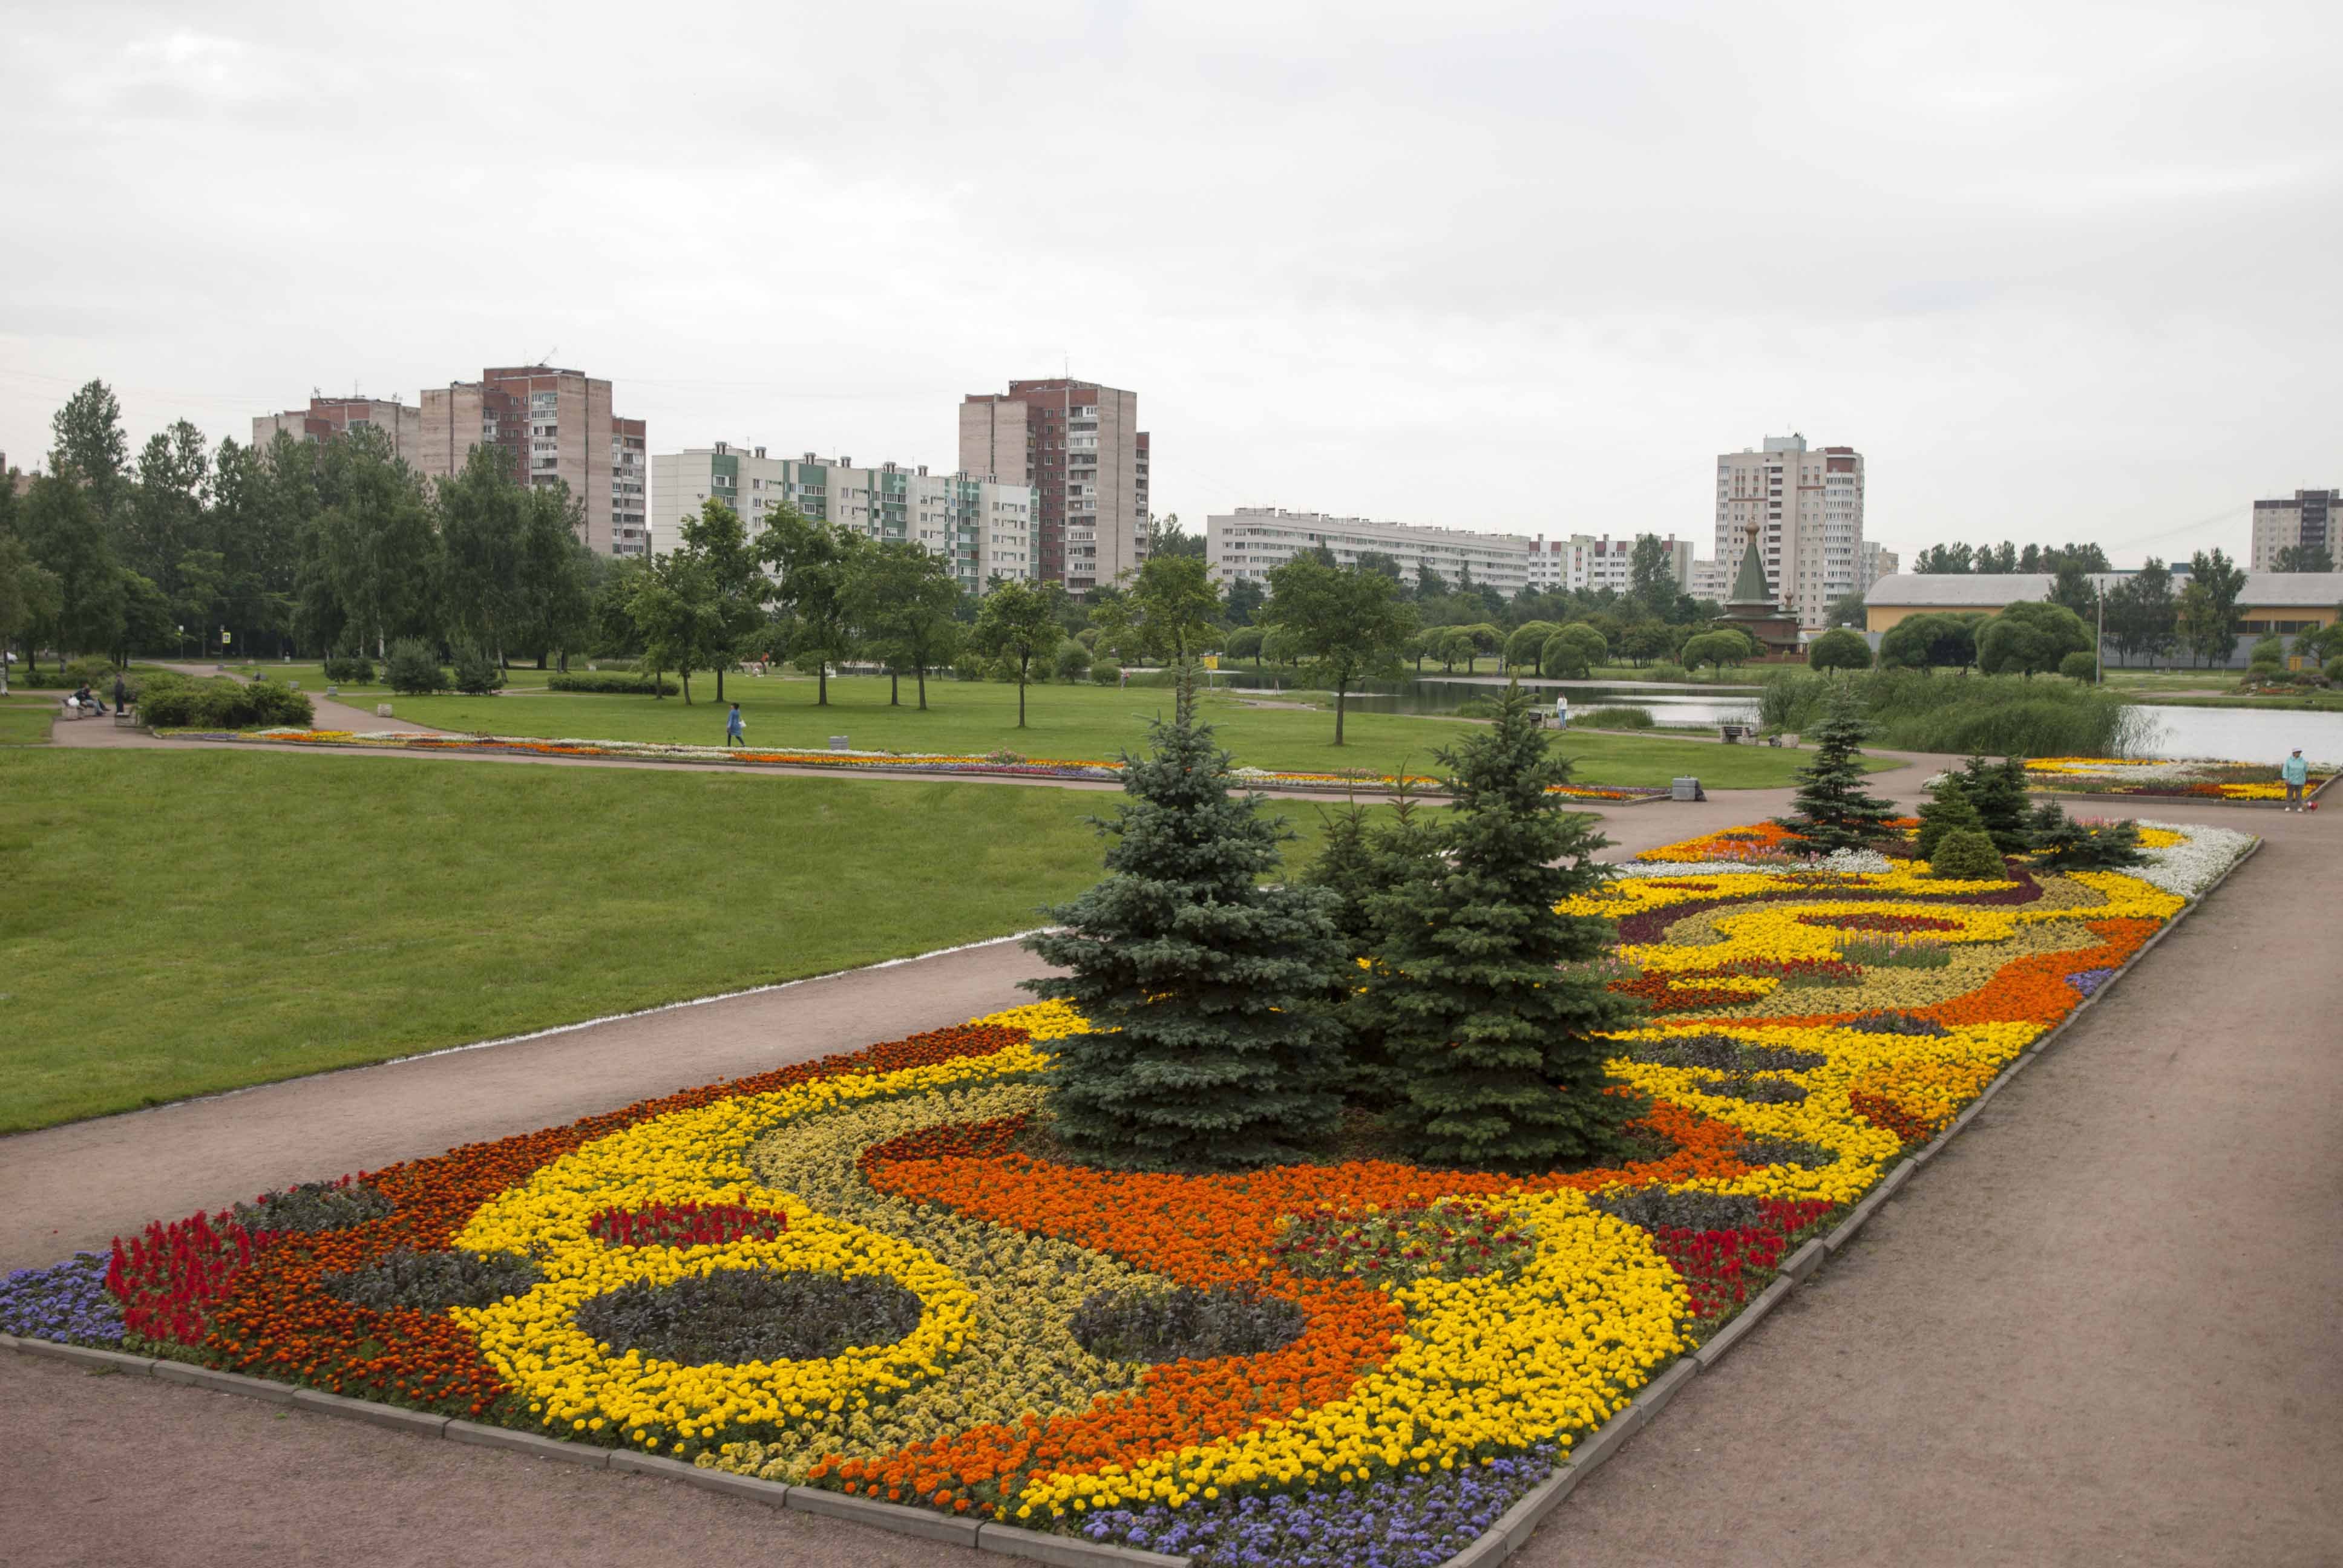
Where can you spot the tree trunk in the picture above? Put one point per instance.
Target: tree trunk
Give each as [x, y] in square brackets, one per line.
[687, 687]
[821, 684]
[1020, 692]
[921, 678]
[1342, 690]
[894, 688]
[719, 683]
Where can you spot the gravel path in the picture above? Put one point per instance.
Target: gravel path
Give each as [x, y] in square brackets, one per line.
[2092, 1332]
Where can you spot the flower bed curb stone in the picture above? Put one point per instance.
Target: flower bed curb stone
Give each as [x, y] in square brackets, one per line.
[520, 1441]
[226, 1381]
[886, 1515]
[90, 1356]
[1805, 1260]
[391, 1415]
[1035, 1546]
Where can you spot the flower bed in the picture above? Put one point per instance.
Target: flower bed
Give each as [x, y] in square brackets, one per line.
[2181, 780]
[862, 1274]
[1002, 764]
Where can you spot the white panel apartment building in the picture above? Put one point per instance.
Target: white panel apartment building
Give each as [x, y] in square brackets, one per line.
[1805, 510]
[1584, 562]
[982, 528]
[1246, 545]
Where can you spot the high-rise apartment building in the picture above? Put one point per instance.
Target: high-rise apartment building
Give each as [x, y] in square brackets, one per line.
[983, 529]
[326, 417]
[1711, 581]
[2313, 518]
[1878, 561]
[559, 427]
[1080, 446]
[1586, 562]
[1805, 509]
[1246, 545]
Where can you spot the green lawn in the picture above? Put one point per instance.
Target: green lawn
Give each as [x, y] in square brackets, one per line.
[1065, 721]
[25, 720]
[179, 924]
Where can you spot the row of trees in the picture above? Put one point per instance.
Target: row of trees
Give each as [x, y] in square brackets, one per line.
[2006, 558]
[338, 546]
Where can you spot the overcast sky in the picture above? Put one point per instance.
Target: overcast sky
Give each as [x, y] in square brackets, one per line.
[2057, 270]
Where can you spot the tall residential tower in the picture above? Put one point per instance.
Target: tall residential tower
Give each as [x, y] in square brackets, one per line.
[1080, 446]
[557, 426]
[1805, 509]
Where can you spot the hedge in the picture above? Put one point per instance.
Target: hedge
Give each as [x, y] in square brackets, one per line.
[608, 682]
[174, 702]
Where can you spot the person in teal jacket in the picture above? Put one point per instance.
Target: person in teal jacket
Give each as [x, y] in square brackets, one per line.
[2296, 772]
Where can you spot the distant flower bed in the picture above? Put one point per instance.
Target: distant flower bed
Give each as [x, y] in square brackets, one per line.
[865, 1274]
[1001, 763]
[2174, 779]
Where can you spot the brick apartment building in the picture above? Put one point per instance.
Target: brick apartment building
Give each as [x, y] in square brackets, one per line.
[558, 425]
[326, 417]
[1080, 446]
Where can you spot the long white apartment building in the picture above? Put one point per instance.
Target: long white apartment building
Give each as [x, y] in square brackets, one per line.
[1805, 508]
[1246, 545]
[1588, 562]
[982, 527]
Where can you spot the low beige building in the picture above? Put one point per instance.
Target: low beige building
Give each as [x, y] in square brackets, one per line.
[2281, 602]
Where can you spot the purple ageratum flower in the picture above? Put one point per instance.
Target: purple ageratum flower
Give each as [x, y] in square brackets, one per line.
[66, 1302]
[2089, 981]
[1393, 1521]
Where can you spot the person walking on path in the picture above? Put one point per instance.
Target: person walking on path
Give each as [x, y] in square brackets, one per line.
[2296, 772]
[734, 730]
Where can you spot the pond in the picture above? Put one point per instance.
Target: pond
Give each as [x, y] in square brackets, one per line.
[2231, 734]
[2244, 734]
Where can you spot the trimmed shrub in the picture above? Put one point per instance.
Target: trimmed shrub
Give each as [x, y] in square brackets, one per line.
[173, 702]
[1073, 661]
[1839, 649]
[2081, 666]
[612, 684]
[476, 674]
[1107, 674]
[1142, 1324]
[1967, 856]
[413, 670]
[349, 669]
[90, 670]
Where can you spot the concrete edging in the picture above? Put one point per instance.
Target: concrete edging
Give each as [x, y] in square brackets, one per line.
[1492, 1546]
[1514, 1529]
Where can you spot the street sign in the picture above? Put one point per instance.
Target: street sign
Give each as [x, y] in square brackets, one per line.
[1212, 661]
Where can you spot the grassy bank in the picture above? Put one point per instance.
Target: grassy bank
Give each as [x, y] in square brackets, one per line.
[1065, 721]
[179, 924]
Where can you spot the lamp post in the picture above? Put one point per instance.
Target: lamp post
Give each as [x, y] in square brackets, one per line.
[2100, 643]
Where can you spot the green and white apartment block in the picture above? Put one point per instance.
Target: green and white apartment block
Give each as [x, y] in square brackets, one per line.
[982, 527]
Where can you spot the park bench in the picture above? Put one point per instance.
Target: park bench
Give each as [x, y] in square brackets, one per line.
[1732, 734]
[127, 718]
